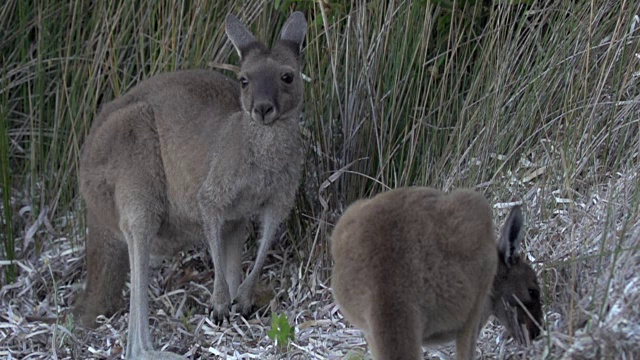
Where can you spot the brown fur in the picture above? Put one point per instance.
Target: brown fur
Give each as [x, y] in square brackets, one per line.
[188, 157]
[414, 266]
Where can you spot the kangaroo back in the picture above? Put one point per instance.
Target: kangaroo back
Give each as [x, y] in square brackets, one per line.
[416, 266]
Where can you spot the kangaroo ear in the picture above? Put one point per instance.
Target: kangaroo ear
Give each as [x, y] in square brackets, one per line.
[294, 31]
[511, 237]
[239, 35]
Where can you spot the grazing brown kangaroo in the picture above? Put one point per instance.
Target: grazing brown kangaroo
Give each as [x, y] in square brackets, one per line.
[415, 266]
[187, 157]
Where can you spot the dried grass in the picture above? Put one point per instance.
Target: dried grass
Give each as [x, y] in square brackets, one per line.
[586, 251]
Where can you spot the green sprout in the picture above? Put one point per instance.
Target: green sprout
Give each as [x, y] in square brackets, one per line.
[281, 332]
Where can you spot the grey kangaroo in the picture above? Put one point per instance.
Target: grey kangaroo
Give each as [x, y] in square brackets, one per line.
[415, 266]
[188, 157]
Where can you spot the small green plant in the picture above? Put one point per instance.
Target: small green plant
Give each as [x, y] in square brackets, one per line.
[186, 317]
[281, 332]
[69, 322]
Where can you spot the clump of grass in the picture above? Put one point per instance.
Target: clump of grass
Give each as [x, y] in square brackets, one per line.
[281, 331]
[7, 226]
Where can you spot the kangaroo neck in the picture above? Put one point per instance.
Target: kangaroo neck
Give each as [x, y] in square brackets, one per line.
[280, 138]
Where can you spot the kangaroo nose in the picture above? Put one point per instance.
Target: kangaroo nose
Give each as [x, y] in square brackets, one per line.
[262, 112]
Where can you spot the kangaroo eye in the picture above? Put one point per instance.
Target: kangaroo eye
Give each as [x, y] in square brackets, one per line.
[287, 78]
[534, 293]
[243, 82]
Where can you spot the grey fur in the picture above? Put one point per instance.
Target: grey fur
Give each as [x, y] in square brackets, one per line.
[240, 37]
[185, 157]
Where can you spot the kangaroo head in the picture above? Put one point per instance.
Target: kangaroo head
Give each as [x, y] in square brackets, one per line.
[270, 78]
[516, 294]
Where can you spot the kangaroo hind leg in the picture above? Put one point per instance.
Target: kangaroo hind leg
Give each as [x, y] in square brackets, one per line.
[107, 269]
[395, 332]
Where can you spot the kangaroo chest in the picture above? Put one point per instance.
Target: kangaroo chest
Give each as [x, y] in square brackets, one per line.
[260, 171]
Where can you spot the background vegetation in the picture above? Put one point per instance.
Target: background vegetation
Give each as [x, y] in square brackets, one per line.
[534, 101]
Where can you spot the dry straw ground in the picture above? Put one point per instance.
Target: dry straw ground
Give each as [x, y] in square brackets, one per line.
[537, 103]
[593, 260]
